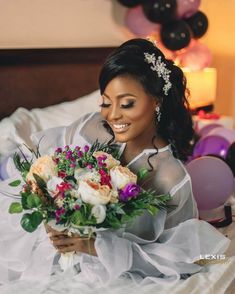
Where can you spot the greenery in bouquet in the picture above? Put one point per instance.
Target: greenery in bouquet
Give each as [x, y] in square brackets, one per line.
[81, 188]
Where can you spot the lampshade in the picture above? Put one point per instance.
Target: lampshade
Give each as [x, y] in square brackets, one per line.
[202, 86]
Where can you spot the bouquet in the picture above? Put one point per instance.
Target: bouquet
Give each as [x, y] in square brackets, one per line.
[81, 190]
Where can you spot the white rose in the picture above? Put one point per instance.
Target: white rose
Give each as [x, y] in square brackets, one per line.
[52, 185]
[44, 167]
[110, 161]
[121, 176]
[94, 193]
[86, 174]
[99, 212]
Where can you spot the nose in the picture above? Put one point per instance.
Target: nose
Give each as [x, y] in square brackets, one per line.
[114, 113]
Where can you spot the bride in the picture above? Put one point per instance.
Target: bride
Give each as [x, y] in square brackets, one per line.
[145, 111]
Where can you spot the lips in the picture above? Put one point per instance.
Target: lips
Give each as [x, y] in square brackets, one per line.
[120, 127]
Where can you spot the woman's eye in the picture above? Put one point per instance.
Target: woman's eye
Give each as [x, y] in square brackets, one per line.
[105, 105]
[128, 105]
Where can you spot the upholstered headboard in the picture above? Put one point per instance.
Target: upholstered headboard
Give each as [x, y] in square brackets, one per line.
[41, 77]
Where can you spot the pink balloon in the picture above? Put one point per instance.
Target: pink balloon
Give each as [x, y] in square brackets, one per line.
[197, 56]
[212, 181]
[227, 134]
[186, 8]
[138, 24]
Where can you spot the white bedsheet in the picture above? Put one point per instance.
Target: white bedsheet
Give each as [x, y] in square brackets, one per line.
[17, 128]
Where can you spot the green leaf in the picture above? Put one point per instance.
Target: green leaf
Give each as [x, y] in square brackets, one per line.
[77, 218]
[15, 183]
[30, 222]
[152, 209]
[15, 207]
[37, 218]
[142, 173]
[33, 200]
[24, 196]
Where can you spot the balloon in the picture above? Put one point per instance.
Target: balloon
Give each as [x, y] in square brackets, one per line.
[212, 181]
[206, 129]
[230, 158]
[197, 56]
[186, 8]
[211, 144]
[168, 53]
[175, 35]
[160, 11]
[228, 134]
[138, 24]
[130, 3]
[198, 24]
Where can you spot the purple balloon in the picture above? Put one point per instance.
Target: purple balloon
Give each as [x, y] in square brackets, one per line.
[204, 131]
[211, 144]
[186, 8]
[212, 182]
[228, 134]
[138, 23]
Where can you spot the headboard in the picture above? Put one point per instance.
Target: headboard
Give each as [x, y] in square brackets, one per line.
[33, 78]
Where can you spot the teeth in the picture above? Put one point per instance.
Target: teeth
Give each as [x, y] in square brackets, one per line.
[120, 126]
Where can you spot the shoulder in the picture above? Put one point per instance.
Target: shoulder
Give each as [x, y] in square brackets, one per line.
[169, 173]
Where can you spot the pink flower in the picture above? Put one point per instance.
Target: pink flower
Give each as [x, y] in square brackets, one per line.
[63, 187]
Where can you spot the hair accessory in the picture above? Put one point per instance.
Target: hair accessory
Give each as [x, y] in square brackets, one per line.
[160, 67]
[158, 113]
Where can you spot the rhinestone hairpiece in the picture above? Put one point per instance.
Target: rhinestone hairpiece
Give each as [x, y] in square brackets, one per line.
[160, 67]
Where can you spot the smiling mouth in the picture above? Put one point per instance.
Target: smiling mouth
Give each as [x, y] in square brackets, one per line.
[120, 128]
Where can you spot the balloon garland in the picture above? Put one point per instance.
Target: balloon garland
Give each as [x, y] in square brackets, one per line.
[175, 24]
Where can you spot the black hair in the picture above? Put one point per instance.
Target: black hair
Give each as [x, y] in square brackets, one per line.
[175, 125]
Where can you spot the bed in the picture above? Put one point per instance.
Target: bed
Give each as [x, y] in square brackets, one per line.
[41, 88]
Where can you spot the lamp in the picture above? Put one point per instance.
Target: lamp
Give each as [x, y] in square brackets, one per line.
[202, 86]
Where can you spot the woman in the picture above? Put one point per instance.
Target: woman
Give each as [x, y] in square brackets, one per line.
[144, 110]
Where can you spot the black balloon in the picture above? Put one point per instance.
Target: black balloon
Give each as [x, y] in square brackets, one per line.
[130, 3]
[230, 157]
[160, 11]
[175, 35]
[198, 24]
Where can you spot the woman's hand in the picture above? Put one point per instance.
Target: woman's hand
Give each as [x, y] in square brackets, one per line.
[64, 243]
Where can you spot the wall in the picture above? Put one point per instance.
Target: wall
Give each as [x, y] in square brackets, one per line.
[84, 23]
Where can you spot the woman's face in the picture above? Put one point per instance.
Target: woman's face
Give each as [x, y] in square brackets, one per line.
[129, 111]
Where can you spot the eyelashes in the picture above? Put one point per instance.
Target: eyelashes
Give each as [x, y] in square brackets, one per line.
[125, 106]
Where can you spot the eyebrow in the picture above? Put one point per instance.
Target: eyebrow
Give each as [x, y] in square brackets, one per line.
[121, 95]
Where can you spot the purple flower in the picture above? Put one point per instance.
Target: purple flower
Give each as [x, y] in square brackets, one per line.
[69, 154]
[66, 147]
[80, 154]
[59, 213]
[58, 150]
[129, 191]
[86, 148]
[76, 207]
[77, 148]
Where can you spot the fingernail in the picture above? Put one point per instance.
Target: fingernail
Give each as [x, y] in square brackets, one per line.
[49, 234]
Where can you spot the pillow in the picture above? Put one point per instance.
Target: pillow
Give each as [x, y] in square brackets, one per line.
[16, 129]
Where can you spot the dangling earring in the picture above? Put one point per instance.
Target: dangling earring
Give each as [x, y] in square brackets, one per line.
[158, 113]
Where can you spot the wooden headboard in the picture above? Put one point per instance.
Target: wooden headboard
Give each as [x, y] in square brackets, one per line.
[41, 77]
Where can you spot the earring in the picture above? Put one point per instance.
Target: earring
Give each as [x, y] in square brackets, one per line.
[158, 113]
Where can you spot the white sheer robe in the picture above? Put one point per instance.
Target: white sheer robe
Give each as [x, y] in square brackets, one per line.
[161, 249]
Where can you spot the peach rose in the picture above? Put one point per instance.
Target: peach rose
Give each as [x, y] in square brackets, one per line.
[121, 176]
[94, 193]
[44, 167]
